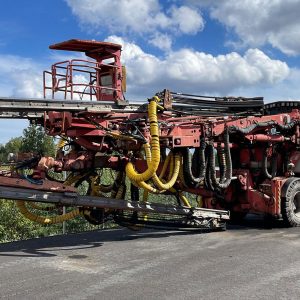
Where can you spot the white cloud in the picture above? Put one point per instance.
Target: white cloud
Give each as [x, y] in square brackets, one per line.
[19, 77]
[145, 18]
[161, 41]
[197, 72]
[189, 21]
[262, 21]
[288, 89]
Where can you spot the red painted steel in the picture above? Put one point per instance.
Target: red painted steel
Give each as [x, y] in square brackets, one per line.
[254, 140]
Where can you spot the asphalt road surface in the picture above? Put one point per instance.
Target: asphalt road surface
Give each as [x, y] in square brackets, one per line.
[245, 262]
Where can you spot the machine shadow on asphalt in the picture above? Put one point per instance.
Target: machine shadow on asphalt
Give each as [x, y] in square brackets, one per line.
[45, 247]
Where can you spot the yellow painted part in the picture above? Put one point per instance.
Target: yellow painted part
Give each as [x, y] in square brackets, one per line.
[97, 189]
[46, 220]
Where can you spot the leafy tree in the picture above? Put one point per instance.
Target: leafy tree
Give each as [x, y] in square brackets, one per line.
[13, 226]
[3, 154]
[12, 146]
[35, 140]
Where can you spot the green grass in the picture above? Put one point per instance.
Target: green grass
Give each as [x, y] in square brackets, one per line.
[14, 226]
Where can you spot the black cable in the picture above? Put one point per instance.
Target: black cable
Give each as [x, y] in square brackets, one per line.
[212, 164]
[196, 163]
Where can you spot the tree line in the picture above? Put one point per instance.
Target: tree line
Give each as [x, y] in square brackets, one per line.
[13, 225]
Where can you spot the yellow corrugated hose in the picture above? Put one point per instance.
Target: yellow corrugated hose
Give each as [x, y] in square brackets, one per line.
[46, 220]
[155, 147]
[54, 219]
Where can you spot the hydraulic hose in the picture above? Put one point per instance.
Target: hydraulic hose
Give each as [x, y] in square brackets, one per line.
[153, 159]
[198, 160]
[46, 220]
[281, 128]
[174, 171]
[228, 175]
[195, 163]
[50, 220]
[155, 146]
[273, 164]
[222, 162]
[208, 181]
[174, 164]
[167, 185]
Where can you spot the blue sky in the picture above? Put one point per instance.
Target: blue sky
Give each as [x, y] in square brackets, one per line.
[229, 47]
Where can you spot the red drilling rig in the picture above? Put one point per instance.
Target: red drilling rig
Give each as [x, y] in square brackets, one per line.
[231, 155]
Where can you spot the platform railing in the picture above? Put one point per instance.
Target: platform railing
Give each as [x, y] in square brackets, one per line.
[81, 79]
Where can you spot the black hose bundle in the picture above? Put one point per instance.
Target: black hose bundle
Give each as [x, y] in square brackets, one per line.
[222, 162]
[208, 181]
[194, 166]
[218, 184]
[281, 128]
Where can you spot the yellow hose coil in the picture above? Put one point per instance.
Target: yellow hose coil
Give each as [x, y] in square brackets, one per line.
[46, 220]
[155, 147]
[50, 220]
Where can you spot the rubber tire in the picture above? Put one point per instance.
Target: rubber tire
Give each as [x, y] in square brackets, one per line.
[287, 204]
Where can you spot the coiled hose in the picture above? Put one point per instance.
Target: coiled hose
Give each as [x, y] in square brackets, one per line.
[155, 147]
[46, 220]
[153, 159]
[53, 219]
[194, 164]
[217, 184]
[281, 128]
